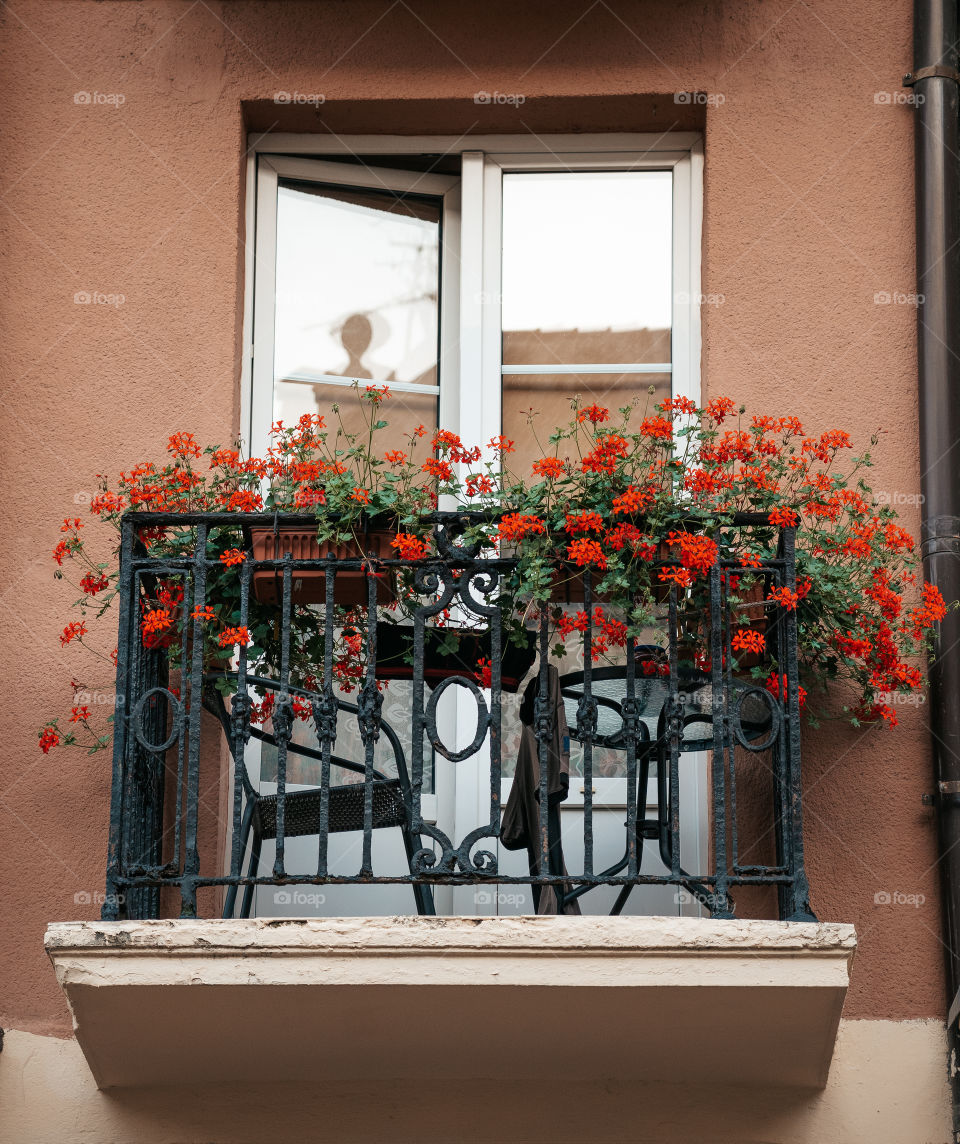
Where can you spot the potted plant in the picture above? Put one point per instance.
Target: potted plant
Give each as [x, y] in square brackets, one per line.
[639, 503]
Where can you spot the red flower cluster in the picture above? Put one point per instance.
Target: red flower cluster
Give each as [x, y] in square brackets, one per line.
[583, 522]
[48, 738]
[747, 640]
[584, 552]
[231, 636]
[595, 414]
[156, 620]
[408, 546]
[183, 445]
[697, 553]
[659, 428]
[784, 598]
[73, 631]
[550, 467]
[92, 583]
[603, 458]
[479, 485]
[633, 500]
[515, 526]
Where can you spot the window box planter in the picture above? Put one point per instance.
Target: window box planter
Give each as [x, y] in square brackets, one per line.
[310, 584]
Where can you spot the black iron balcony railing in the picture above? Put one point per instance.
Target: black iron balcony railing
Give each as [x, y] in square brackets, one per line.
[189, 820]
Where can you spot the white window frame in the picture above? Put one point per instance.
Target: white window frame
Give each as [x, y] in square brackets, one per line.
[473, 398]
[270, 169]
[470, 372]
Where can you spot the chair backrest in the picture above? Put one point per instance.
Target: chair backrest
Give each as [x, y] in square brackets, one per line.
[214, 702]
[608, 686]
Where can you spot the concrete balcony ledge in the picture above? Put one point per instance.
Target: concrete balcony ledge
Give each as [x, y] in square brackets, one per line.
[263, 1000]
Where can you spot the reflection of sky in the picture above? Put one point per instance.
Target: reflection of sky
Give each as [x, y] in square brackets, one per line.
[335, 259]
[590, 250]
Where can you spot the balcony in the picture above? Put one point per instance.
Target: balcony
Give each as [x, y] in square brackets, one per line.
[242, 787]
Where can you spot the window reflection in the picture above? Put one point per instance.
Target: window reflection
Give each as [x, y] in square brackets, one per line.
[534, 404]
[357, 294]
[587, 296]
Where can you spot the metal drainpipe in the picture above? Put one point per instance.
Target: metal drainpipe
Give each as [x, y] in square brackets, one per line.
[937, 146]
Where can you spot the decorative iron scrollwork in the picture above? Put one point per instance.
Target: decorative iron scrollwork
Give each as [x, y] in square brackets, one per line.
[448, 531]
[283, 717]
[776, 719]
[660, 719]
[325, 716]
[483, 719]
[483, 862]
[586, 719]
[240, 708]
[369, 703]
[137, 719]
[484, 579]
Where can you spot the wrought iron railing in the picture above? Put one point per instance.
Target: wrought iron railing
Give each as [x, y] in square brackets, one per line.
[170, 839]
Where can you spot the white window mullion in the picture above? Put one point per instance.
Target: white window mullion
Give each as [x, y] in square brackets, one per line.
[492, 351]
[470, 411]
[687, 220]
[264, 308]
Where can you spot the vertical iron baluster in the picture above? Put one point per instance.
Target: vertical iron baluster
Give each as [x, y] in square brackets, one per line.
[418, 721]
[631, 719]
[191, 865]
[496, 719]
[721, 735]
[731, 749]
[145, 841]
[124, 706]
[325, 718]
[543, 722]
[587, 726]
[799, 887]
[780, 748]
[369, 703]
[283, 714]
[674, 731]
[188, 586]
[240, 708]
[130, 809]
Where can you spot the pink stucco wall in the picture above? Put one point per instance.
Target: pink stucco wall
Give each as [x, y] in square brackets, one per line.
[808, 214]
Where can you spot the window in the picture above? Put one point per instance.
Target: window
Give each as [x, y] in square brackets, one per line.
[486, 287]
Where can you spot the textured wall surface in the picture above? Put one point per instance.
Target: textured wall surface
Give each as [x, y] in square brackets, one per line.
[138, 191]
[887, 1086]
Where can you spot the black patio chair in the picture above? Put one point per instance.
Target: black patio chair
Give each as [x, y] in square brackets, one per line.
[392, 800]
[608, 686]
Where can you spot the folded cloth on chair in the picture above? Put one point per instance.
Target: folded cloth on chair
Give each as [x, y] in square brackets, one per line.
[521, 818]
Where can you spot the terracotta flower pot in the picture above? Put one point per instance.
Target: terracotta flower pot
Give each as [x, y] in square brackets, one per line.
[310, 584]
[693, 636]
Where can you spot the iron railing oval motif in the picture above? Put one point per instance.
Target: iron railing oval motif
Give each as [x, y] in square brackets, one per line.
[137, 714]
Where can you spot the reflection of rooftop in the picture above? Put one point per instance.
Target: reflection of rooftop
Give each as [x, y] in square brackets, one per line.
[539, 347]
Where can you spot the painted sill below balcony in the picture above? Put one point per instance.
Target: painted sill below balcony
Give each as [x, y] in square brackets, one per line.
[271, 1000]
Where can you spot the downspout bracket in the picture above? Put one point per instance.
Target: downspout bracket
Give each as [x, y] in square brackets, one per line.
[937, 71]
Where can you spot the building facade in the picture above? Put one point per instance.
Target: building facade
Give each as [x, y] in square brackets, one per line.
[169, 169]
